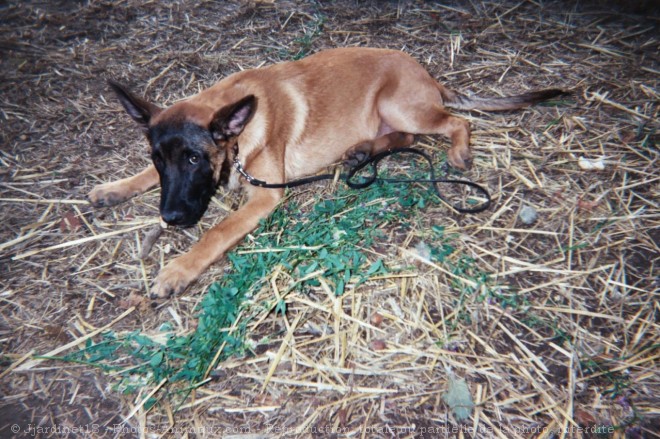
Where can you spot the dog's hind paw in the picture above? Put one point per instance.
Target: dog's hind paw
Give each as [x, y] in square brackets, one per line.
[460, 158]
[358, 154]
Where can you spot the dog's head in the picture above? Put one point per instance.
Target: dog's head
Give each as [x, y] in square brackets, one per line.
[190, 149]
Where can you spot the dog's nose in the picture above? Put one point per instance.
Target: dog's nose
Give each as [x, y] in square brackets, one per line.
[173, 217]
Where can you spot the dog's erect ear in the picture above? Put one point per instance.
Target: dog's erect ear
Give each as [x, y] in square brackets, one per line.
[140, 110]
[229, 121]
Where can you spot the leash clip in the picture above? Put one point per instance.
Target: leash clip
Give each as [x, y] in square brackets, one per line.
[239, 168]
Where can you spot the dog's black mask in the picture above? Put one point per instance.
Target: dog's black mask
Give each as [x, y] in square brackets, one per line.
[179, 152]
[191, 160]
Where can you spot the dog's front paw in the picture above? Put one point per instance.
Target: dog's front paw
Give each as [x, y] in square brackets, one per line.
[172, 280]
[107, 194]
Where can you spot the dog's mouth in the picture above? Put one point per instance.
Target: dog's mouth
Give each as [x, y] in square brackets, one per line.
[184, 225]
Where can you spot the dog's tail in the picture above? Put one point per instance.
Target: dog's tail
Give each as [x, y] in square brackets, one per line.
[458, 101]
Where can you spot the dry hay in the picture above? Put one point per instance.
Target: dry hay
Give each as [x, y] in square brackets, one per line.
[578, 348]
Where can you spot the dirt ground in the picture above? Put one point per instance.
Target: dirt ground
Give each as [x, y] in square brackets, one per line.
[576, 355]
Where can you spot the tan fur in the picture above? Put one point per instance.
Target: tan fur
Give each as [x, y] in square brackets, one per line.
[115, 192]
[310, 113]
[340, 98]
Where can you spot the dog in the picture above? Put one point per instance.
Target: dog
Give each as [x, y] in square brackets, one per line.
[278, 123]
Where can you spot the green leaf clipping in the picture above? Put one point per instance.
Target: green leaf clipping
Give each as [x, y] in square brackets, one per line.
[324, 241]
[156, 359]
[458, 398]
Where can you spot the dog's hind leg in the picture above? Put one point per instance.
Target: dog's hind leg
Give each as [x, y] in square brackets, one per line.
[439, 121]
[362, 151]
[110, 194]
[413, 104]
[431, 118]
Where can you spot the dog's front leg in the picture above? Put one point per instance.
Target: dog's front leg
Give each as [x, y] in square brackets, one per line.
[115, 192]
[185, 269]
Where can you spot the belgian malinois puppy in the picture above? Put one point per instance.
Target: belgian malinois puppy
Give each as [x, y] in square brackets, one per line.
[279, 123]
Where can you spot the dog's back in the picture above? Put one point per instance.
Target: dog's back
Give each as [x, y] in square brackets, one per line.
[319, 106]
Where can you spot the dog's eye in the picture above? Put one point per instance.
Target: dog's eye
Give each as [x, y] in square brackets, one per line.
[193, 159]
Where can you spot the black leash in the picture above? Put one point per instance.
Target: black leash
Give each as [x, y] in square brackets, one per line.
[369, 179]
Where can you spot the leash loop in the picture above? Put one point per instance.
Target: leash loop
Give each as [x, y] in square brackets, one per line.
[372, 177]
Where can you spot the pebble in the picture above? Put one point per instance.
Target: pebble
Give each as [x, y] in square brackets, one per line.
[528, 215]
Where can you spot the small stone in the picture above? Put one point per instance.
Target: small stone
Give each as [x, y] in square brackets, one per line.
[597, 164]
[423, 250]
[376, 319]
[528, 215]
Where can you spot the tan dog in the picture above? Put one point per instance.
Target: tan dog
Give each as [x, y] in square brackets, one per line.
[283, 122]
